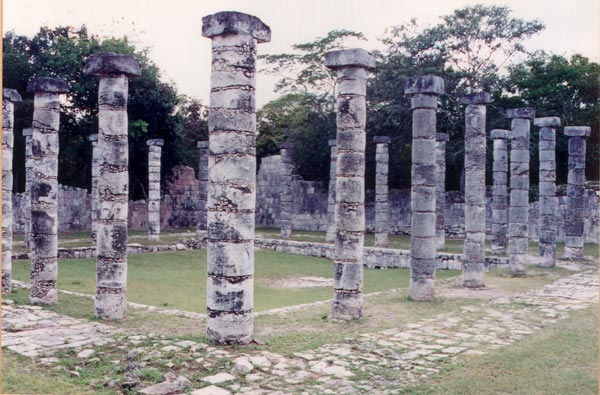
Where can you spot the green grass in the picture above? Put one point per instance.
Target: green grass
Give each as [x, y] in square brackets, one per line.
[178, 279]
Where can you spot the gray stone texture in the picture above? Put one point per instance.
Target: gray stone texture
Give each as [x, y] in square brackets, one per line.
[232, 175]
[382, 214]
[351, 66]
[95, 211]
[286, 198]
[113, 183]
[425, 91]
[499, 191]
[547, 190]
[44, 189]
[9, 97]
[440, 189]
[154, 153]
[475, 158]
[202, 188]
[518, 213]
[27, 134]
[575, 191]
[330, 234]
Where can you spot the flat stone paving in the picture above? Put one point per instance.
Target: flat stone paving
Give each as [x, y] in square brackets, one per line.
[391, 359]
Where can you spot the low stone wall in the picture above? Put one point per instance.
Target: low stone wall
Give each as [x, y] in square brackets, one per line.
[378, 258]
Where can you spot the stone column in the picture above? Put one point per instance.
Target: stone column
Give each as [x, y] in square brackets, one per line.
[382, 214]
[202, 188]
[351, 66]
[499, 190]
[547, 190]
[44, 189]
[154, 152]
[425, 91]
[95, 213]
[518, 213]
[330, 235]
[285, 197]
[232, 174]
[9, 97]
[440, 189]
[475, 157]
[28, 133]
[575, 191]
[113, 183]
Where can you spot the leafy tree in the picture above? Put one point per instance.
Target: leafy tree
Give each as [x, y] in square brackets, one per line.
[192, 118]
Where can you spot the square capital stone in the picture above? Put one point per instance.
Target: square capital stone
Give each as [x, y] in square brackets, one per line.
[27, 132]
[156, 142]
[381, 139]
[442, 137]
[577, 131]
[47, 85]
[332, 142]
[11, 94]
[499, 134]
[525, 112]
[202, 144]
[547, 122]
[93, 138]
[231, 22]
[476, 98]
[428, 84]
[355, 57]
[109, 63]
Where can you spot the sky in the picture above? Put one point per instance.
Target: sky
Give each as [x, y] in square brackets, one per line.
[172, 29]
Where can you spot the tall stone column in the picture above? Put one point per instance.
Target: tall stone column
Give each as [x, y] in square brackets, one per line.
[95, 213]
[382, 214]
[28, 133]
[475, 158]
[114, 71]
[202, 188]
[330, 234]
[351, 66]
[44, 189]
[547, 190]
[518, 213]
[575, 191]
[440, 189]
[425, 91]
[499, 190]
[285, 197]
[154, 153]
[232, 174]
[9, 97]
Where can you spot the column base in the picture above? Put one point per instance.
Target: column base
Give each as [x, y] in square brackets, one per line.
[381, 240]
[153, 237]
[346, 306]
[547, 255]
[286, 234]
[224, 328]
[111, 305]
[517, 265]
[422, 289]
[573, 252]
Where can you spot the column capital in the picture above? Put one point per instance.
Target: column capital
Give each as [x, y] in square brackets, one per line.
[442, 137]
[155, 142]
[93, 138]
[382, 139]
[11, 94]
[499, 134]
[202, 144]
[47, 85]
[577, 131]
[427, 84]
[355, 57]
[476, 98]
[525, 112]
[27, 132]
[231, 22]
[110, 63]
[547, 122]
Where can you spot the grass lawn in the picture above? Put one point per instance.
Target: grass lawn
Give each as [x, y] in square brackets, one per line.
[178, 279]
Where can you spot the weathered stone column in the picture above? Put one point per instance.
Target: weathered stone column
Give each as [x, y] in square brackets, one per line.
[547, 190]
[154, 152]
[440, 189]
[425, 91]
[113, 182]
[44, 189]
[285, 197]
[202, 188]
[499, 190]
[28, 133]
[351, 66]
[9, 97]
[475, 156]
[95, 213]
[518, 213]
[382, 214]
[575, 191]
[232, 174]
[330, 234]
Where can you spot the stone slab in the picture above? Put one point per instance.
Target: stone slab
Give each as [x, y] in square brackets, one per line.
[229, 22]
[110, 63]
[355, 57]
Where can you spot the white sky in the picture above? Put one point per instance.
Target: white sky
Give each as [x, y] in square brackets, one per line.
[172, 28]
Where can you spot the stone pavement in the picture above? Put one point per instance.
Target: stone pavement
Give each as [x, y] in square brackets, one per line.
[382, 362]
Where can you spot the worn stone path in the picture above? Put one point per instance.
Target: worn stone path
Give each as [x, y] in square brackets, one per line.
[382, 362]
